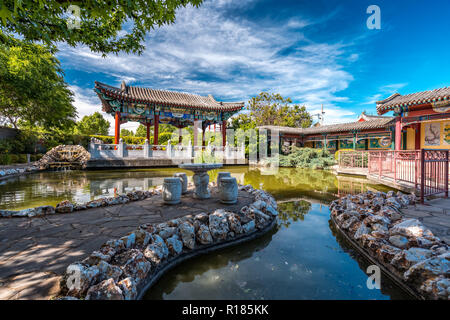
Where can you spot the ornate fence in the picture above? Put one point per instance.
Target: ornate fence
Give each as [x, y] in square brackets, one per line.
[228, 154]
[353, 159]
[425, 170]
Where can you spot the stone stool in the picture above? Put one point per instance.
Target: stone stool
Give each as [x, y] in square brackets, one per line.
[184, 181]
[228, 190]
[221, 175]
[172, 190]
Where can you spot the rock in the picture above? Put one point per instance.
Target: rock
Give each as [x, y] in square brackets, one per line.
[78, 278]
[431, 267]
[349, 222]
[133, 264]
[249, 227]
[259, 204]
[204, 235]
[156, 251]
[187, 234]
[128, 287]
[109, 271]
[105, 290]
[386, 253]
[406, 258]
[115, 245]
[7, 213]
[271, 210]
[399, 241]
[437, 288]
[44, 210]
[64, 207]
[361, 230]
[142, 238]
[23, 213]
[167, 232]
[175, 245]
[393, 202]
[218, 225]
[234, 223]
[202, 217]
[261, 219]
[410, 228]
[129, 240]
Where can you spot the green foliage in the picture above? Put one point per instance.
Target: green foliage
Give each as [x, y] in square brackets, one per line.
[273, 109]
[126, 133]
[101, 23]
[93, 124]
[32, 88]
[307, 158]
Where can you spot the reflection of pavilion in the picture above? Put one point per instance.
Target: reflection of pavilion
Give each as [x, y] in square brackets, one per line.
[151, 107]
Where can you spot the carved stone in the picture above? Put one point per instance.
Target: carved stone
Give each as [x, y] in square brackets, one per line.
[221, 175]
[172, 190]
[228, 190]
[184, 181]
[201, 181]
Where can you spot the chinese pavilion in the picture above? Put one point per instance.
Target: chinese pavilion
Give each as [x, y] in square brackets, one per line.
[151, 107]
[422, 119]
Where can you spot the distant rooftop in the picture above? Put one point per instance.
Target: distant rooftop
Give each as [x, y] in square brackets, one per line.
[424, 97]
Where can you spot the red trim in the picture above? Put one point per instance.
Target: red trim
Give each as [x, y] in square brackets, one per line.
[224, 133]
[117, 128]
[156, 130]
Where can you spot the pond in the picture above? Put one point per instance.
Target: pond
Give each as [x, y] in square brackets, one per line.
[303, 257]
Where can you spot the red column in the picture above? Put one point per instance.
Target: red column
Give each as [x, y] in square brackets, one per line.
[203, 136]
[417, 140]
[224, 133]
[156, 130]
[117, 128]
[398, 133]
[148, 131]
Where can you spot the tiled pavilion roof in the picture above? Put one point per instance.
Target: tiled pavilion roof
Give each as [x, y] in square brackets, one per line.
[165, 97]
[397, 100]
[380, 123]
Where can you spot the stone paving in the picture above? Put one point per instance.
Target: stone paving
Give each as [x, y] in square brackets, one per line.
[434, 214]
[34, 252]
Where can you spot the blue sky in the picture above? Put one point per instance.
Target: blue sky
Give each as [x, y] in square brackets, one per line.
[315, 52]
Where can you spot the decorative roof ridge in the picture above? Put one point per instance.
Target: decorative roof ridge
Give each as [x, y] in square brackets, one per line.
[392, 96]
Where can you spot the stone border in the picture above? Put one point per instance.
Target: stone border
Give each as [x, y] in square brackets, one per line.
[11, 173]
[201, 251]
[408, 252]
[125, 268]
[67, 207]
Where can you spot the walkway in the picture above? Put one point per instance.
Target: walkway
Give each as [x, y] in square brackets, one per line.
[34, 252]
[434, 214]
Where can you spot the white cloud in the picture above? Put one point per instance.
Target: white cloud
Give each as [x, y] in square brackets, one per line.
[207, 52]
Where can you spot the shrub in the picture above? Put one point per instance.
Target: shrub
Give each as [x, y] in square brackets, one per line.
[307, 158]
[5, 159]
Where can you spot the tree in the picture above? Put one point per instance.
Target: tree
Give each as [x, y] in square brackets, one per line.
[93, 124]
[141, 131]
[32, 88]
[242, 121]
[273, 109]
[126, 133]
[95, 23]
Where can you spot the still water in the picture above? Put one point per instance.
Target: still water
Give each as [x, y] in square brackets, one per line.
[301, 258]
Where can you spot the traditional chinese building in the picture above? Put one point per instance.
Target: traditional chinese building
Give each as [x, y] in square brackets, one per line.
[422, 119]
[366, 133]
[151, 107]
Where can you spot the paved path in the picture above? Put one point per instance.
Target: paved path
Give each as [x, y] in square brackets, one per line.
[434, 214]
[34, 252]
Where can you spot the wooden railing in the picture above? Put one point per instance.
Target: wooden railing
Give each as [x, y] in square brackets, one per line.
[353, 159]
[426, 170]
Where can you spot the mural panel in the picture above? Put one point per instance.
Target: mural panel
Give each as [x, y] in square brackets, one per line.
[380, 143]
[447, 133]
[432, 134]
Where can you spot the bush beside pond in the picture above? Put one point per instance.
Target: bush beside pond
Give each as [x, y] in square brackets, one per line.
[307, 158]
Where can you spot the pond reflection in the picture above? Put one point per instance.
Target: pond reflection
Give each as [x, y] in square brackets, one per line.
[302, 258]
[81, 186]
